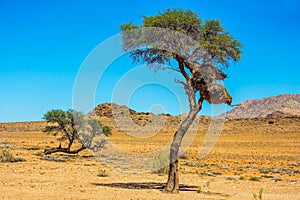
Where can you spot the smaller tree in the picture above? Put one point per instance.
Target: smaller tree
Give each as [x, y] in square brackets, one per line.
[75, 127]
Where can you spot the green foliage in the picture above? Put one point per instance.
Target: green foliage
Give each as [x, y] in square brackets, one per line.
[180, 35]
[106, 129]
[128, 27]
[6, 156]
[75, 126]
[186, 22]
[210, 35]
[58, 116]
[64, 121]
[218, 43]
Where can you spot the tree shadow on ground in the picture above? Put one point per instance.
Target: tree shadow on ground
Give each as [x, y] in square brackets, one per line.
[145, 185]
[157, 186]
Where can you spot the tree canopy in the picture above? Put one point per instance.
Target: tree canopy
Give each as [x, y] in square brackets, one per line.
[201, 48]
[209, 34]
[75, 126]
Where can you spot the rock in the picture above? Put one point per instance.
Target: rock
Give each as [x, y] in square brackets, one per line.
[271, 107]
[295, 164]
[264, 170]
[284, 171]
[240, 169]
[202, 165]
[252, 167]
[183, 156]
[225, 166]
[229, 178]
[217, 173]
[207, 174]
[276, 171]
[191, 164]
[267, 176]
[296, 171]
[276, 179]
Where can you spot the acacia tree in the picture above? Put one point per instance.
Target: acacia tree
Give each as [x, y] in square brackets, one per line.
[75, 127]
[200, 56]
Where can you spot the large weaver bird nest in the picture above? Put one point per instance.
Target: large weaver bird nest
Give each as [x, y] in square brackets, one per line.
[203, 80]
[216, 94]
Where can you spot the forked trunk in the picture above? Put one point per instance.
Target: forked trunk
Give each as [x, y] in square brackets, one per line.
[172, 185]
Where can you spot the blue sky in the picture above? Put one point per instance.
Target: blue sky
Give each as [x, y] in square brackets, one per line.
[44, 43]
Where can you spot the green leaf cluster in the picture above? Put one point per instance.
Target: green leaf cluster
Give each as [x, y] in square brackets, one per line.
[210, 35]
[201, 49]
[75, 126]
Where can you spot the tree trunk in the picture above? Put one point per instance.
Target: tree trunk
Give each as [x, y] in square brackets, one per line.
[172, 185]
[63, 150]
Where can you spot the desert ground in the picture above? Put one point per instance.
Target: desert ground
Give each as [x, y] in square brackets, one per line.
[250, 154]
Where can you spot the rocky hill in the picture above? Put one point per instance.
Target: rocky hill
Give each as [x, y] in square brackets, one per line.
[106, 110]
[112, 110]
[286, 105]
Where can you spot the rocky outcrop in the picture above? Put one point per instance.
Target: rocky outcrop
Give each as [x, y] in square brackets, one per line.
[286, 105]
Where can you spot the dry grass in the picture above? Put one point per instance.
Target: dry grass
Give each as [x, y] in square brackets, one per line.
[246, 148]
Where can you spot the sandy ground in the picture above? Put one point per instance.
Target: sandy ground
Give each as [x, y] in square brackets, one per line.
[248, 156]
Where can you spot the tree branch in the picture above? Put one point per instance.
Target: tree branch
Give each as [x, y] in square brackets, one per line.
[64, 150]
[190, 93]
[180, 82]
[200, 102]
[187, 65]
[180, 61]
[170, 68]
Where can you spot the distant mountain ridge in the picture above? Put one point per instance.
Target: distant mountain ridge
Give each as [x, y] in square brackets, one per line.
[110, 109]
[285, 105]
